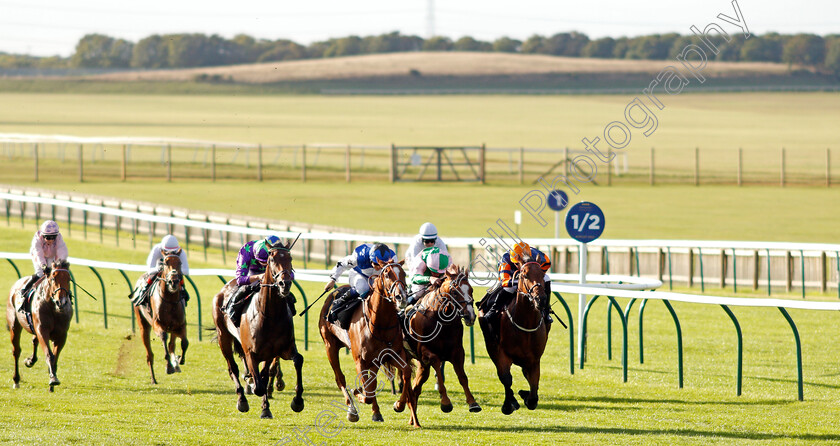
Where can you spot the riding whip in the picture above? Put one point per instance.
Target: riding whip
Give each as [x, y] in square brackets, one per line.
[313, 303]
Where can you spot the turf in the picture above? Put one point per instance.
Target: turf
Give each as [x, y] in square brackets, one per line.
[105, 397]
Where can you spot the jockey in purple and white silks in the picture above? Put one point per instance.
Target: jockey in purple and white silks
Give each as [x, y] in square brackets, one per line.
[364, 262]
[250, 266]
[47, 247]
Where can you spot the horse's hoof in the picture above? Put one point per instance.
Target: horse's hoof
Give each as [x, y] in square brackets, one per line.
[507, 409]
[446, 408]
[169, 369]
[352, 417]
[398, 408]
[474, 407]
[297, 404]
[524, 394]
[54, 381]
[377, 417]
[15, 386]
[515, 404]
[242, 405]
[29, 362]
[51, 389]
[181, 360]
[280, 385]
[531, 406]
[266, 414]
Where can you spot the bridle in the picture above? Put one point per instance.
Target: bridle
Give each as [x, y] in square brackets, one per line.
[452, 296]
[529, 294]
[59, 290]
[282, 277]
[395, 292]
[173, 276]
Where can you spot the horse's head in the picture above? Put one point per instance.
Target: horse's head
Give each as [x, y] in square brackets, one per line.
[458, 295]
[172, 272]
[531, 283]
[391, 283]
[58, 284]
[279, 271]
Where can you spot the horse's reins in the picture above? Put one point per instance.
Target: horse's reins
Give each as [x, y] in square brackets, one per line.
[529, 295]
[388, 297]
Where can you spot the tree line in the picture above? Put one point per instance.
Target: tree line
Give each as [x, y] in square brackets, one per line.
[198, 50]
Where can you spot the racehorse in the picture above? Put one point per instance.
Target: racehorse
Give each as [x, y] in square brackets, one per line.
[434, 334]
[51, 309]
[166, 315]
[375, 340]
[266, 331]
[522, 338]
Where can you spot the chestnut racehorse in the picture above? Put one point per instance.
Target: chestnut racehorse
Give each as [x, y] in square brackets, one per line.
[166, 315]
[266, 331]
[522, 338]
[375, 340]
[434, 333]
[52, 309]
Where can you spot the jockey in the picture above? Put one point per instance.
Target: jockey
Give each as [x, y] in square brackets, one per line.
[47, 247]
[497, 298]
[366, 261]
[426, 271]
[427, 237]
[167, 246]
[250, 266]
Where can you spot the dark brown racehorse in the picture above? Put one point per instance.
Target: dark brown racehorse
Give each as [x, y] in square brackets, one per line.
[522, 338]
[166, 315]
[375, 340]
[52, 309]
[266, 331]
[434, 333]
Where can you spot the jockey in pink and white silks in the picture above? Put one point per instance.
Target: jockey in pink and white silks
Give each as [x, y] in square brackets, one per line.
[47, 247]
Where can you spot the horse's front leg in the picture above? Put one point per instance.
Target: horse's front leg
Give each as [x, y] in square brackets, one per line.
[44, 340]
[532, 374]
[458, 365]
[173, 358]
[30, 361]
[445, 402]
[261, 386]
[503, 371]
[297, 401]
[408, 391]
[417, 386]
[15, 335]
[164, 337]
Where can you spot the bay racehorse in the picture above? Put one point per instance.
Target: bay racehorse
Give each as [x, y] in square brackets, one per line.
[434, 333]
[166, 315]
[51, 309]
[375, 340]
[522, 338]
[266, 331]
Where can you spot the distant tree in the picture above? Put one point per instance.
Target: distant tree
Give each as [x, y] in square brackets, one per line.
[622, 44]
[438, 43]
[655, 46]
[467, 43]
[151, 52]
[565, 44]
[804, 49]
[832, 54]
[101, 51]
[187, 50]
[761, 49]
[283, 50]
[506, 45]
[680, 43]
[316, 50]
[345, 46]
[391, 43]
[534, 45]
[730, 51]
[600, 48]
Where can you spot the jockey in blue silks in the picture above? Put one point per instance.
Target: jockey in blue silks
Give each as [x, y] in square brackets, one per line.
[364, 262]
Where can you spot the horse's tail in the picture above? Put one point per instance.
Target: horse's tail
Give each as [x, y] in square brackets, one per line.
[215, 337]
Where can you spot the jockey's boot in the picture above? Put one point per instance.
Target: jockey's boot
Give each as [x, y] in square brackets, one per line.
[290, 301]
[238, 300]
[185, 296]
[26, 292]
[339, 303]
[546, 304]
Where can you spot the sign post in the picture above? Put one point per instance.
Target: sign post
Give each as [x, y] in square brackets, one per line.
[584, 223]
[557, 201]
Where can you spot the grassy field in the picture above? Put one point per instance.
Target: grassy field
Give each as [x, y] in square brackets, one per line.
[105, 397]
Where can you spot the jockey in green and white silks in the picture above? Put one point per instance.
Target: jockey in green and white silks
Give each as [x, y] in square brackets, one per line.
[427, 237]
[426, 270]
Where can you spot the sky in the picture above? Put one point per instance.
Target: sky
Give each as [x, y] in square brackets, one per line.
[53, 27]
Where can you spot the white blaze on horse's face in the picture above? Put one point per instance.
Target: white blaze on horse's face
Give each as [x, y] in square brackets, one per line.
[469, 317]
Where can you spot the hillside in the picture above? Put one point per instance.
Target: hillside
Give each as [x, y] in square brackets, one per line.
[434, 64]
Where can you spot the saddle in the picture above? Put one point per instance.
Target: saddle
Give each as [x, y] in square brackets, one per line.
[342, 309]
[23, 301]
[140, 296]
